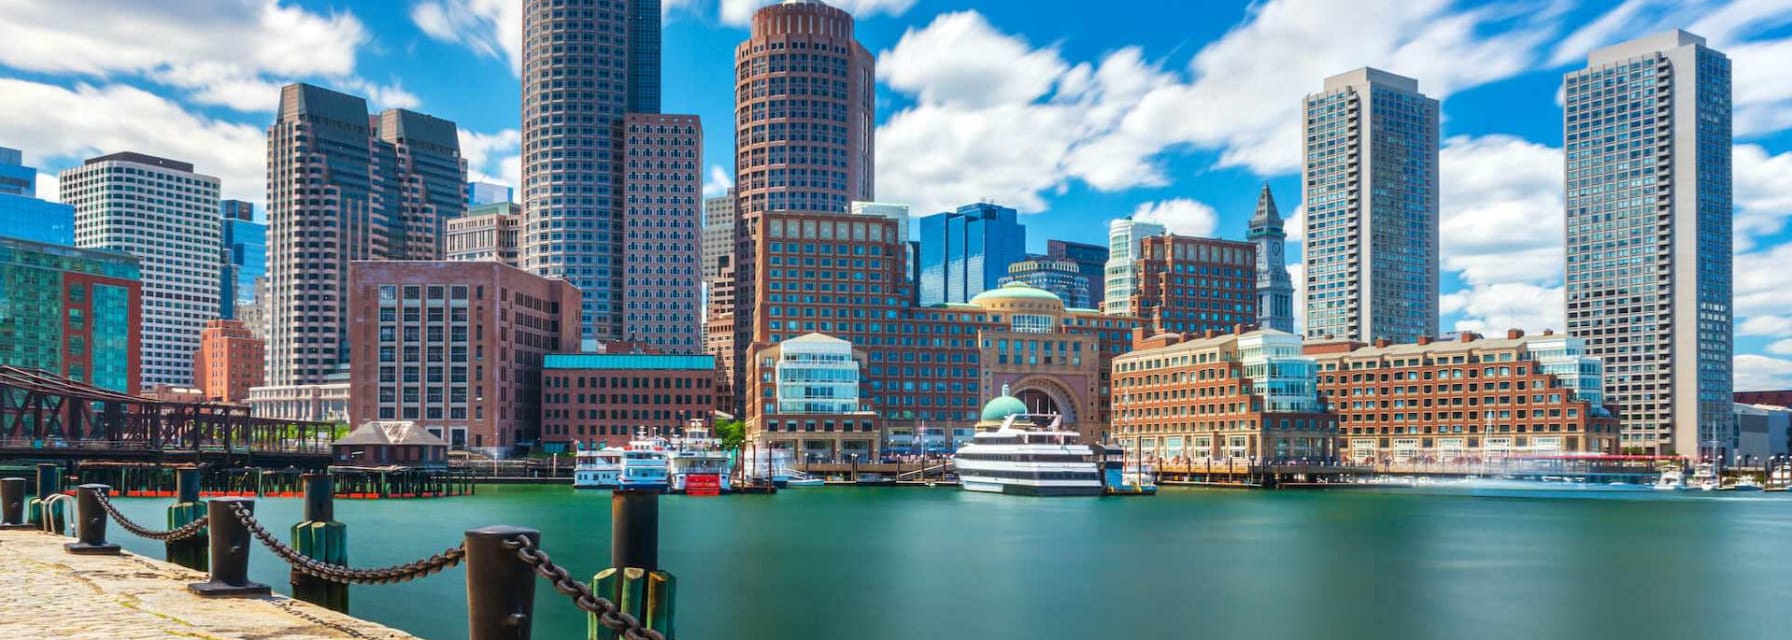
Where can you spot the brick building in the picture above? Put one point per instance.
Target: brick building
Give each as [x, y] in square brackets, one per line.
[602, 398]
[229, 362]
[456, 347]
[1465, 399]
[1186, 284]
[77, 313]
[1239, 396]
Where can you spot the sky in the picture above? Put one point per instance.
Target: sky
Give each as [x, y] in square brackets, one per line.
[1074, 112]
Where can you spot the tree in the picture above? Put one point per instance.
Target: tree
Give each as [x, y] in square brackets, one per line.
[732, 433]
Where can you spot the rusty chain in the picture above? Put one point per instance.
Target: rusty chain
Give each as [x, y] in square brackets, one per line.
[176, 534]
[347, 575]
[608, 614]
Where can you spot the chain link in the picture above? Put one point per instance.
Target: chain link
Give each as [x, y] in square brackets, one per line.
[347, 575]
[177, 534]
[608, 614]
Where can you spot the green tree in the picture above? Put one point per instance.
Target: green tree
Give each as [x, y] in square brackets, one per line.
[732, 433]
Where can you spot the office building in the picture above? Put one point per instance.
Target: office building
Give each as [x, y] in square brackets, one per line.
[1371, 173]
[343, 187]
[1275, 290]
[1762, 434]
[245, 256]
[457, 348]
[22, 214]
[229, 362]
[326, 401]
[1236, 396]
[488, 232]
[1061, 277]
[73, 312]
[169, 217]
[1091, 261]
[1647, 134]
[718, 239]
[483, 193]
[967, 252]
[1121, 272]
[662, 295]
[1465, 400]
[604, 399]
[1186, 284]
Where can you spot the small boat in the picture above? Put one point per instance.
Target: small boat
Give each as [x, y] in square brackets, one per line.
[1671, 480]
[599, 468]
[1123, 477]
[1747, 483]
[1705, 478]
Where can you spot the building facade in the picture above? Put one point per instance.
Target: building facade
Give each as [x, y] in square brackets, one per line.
[73, 312]
[483, 193]
[1275, 290]
[323, 402]
[456, 347]
[1121, 273]
[603, 399]
[1466, 400]
[488, 232]
[1370, 170]
[662, 295]
[245, 257]
[1763, 433]
[1649, 283]
[1091, 261]
[1241, 396]
[967, 252]
[22, 214]
[814, 410]
[229, 362]
[1191, 285]
[718, 241]
[1063, 278]
[343, 187]
[169, 217]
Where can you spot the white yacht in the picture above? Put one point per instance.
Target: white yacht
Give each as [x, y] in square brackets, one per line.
[1019, 456]
[645, 464]
[1671, 480]
[699, 464]
[1705, 478]
[599, 468]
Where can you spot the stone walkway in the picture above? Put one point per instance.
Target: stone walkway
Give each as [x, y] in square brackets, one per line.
[48, 593]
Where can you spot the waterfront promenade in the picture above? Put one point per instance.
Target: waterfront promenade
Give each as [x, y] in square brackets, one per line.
[54, 594]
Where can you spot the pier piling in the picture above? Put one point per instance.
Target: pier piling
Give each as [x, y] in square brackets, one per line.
[320, 537]
[12, 504]
[634, 581]
[191, 552]
[500, 587]
[230, 543]
[90, 523]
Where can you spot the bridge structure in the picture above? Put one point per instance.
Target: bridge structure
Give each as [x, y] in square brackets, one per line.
[48, 417]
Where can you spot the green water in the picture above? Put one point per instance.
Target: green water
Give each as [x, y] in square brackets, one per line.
[901, 563]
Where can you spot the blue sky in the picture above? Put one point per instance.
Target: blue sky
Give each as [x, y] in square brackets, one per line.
[1074, 112]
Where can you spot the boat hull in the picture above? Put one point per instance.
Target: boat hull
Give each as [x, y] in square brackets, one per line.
[1019, 489]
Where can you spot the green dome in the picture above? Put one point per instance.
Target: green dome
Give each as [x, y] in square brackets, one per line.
[1016, 291]
[1002, 406]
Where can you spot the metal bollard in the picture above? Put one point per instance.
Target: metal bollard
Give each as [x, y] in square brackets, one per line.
[90, 523]
[635, 529]
[49, 485]
[230, 542]
[12, 504]
[500, 587]
[191, 552]
[320, 536]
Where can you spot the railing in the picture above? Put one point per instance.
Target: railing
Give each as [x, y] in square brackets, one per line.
[631, 601]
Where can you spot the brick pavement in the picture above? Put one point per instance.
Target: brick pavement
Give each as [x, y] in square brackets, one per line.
[48, 593]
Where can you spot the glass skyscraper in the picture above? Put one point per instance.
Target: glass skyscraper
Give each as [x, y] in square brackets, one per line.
[1124, 237]
[22, 214]
[245, 256]
[967, 252]
[1371, 176]
[72, 312]
[1647, 135]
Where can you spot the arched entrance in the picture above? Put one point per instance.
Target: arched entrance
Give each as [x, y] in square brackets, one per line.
[1042, 394]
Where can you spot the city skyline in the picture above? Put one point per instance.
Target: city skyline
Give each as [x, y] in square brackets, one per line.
[1501, 133]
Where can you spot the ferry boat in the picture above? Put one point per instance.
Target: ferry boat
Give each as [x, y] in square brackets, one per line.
[699, 465]
[645, 465]
[1020, 457]
[599, 468]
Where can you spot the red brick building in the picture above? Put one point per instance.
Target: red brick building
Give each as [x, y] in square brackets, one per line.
[230, 360]
[602, 398]
[1465, 399]
[1193, 285]
[456, 347]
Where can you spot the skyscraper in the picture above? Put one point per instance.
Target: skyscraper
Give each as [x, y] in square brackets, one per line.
[1370, 170]
[1124, 237]
[663, 290]
[1647, 135]
[73, 312]
[1091, 261]
[718, 236]
[967, 252]
[245, 256]
[588, 67]
[344, 187]
[1186, 284]
[1275, 291]
[480, 192]
[1057, 275]
[22, 213]
[169, 217]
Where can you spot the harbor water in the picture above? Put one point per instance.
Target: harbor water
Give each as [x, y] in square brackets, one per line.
[907, 563]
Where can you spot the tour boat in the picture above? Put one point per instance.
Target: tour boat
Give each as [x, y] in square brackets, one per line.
[596, 468]
[699, 464]
[1671, 480]
[645, 465]
[1021, 457]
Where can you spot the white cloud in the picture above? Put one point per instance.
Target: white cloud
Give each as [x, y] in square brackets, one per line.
[1758, 373]
[1762, 97]
[1501, 232]
[1780, 347]
[1297, 272]
[493, 157]
[488, 27]
[87, 120]
[740, 12]
[1181, 216]
[232, 53]
[1492, 309]
[1763, 191]
[719, 182]
[48, 187]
